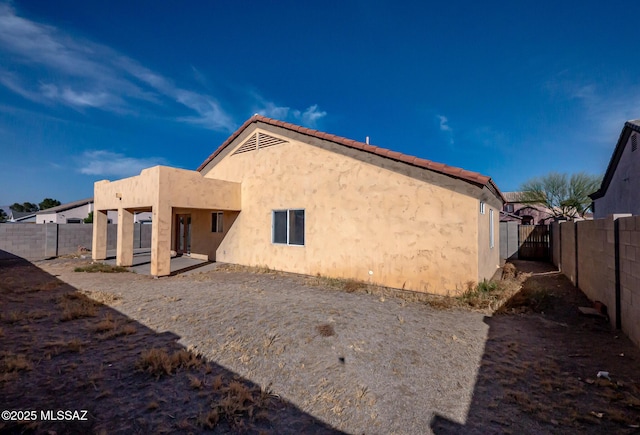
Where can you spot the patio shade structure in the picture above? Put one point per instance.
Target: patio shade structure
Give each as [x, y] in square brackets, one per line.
[161, 190]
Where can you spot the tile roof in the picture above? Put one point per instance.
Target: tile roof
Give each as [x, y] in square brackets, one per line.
[462, 174]
[67, 206]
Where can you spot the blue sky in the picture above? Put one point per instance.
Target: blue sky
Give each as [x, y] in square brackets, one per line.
[101, 89]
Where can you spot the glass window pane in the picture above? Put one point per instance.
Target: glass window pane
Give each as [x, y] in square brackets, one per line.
[220, 222]
[279, 227]
[296, 227]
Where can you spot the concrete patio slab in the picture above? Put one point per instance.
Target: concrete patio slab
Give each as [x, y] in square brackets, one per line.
[179, 265]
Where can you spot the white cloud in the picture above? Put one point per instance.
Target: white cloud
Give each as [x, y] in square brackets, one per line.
[443, 123]
[308, 118]
[105, 163]
[90, 75]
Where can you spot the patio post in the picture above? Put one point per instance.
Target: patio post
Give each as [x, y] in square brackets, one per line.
[99, 243]
[124, 246]
[161, 240]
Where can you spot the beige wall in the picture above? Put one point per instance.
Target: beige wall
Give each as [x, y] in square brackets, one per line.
[204, 243]
[488, 257]
[416, 230]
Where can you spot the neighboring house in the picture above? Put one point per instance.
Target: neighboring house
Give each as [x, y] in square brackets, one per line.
[18, 216]
[620, 189]
[294, 199]
[76, 212]
[526, 213]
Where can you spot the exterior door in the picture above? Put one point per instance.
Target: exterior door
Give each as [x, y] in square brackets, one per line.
[183, 234]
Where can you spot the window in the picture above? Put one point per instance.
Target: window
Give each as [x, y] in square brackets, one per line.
[288, 227]
[491, 235]
[481, 207]
[216, 222]
[74, 221]
[508, 208]
[634, 142]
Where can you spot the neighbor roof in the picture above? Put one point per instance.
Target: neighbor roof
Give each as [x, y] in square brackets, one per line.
[629, 127]
[462, 174]
[67, 206]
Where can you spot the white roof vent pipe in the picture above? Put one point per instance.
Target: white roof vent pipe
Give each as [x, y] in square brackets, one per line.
[366, 140]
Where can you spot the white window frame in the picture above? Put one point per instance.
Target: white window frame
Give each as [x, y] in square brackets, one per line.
[492, 241]
[481, 207]
[273, 227]
[218, 218]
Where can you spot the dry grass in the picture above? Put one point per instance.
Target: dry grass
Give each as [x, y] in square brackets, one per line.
[158, 362]
[75, 306]
[235, 404]
[106, 324]
[102, 297]
[101, 267]
[12, 363]
[326, 330]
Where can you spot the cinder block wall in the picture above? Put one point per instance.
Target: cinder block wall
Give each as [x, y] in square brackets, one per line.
[594, 269]
[24, 240]
[40, 241]
[568, 248]
[629, 229]
[596, 262]
[71, 237]
[555, 243]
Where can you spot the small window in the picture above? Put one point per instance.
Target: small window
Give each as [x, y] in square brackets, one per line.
[74, 221]
[216, 222]
[508, 208]
[481, 207]
[288, 227]
[491, 235]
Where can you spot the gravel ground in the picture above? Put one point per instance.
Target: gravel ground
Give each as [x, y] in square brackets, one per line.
[362, 363]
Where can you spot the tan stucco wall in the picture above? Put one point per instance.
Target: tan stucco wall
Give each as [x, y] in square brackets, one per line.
[416, 230]
[488, 257]
[203, 241]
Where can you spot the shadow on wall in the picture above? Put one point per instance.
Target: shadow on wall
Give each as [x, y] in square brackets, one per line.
[539, 370]
[61, 350]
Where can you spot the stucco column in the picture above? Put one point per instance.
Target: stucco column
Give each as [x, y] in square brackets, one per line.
[124, 246]
[99, 243]
[161, 241]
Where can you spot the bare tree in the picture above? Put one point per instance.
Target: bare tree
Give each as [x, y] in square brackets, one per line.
[566, 196]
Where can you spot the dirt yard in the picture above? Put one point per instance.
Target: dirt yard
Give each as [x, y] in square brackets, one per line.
[253, 351]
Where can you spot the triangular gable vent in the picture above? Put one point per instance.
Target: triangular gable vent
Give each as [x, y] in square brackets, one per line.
[257, 141]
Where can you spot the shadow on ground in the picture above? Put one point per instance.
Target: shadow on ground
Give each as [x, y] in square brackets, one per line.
[61, 350]
[540, 365]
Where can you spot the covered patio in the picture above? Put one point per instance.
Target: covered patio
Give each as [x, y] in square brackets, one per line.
[182, 203]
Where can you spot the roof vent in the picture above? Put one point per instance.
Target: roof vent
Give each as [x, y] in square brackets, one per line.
[634, 142]
[258, 141]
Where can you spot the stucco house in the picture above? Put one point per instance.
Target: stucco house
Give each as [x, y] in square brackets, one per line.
[620, 189]
[294, 199]
[75, 212]
[526, 213]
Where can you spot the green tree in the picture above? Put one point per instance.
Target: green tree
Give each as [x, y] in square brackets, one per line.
[3, 216]
[48, 203]
[28, 207]
[566, 196]
[89, 218]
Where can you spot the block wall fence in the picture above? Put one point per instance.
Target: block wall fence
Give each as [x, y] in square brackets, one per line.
[602, 258]
[41, 241]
